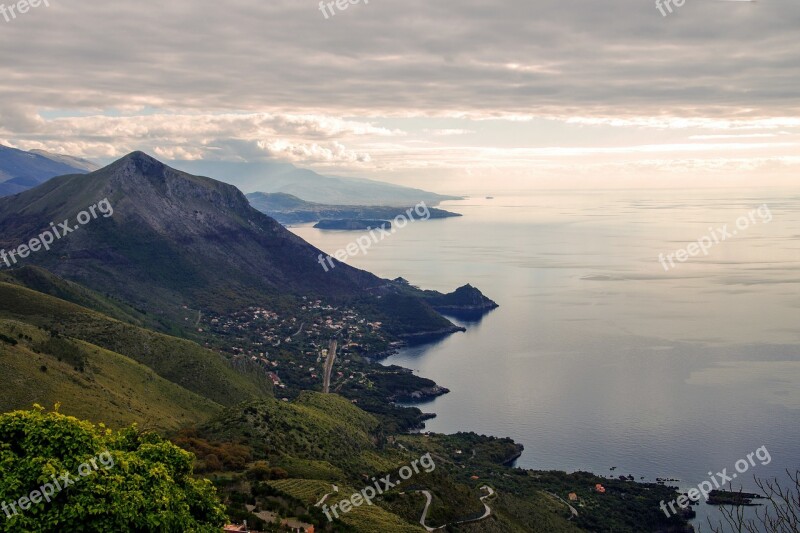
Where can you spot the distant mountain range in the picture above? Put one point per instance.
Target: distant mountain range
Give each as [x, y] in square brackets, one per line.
[289, 209]
[274, 177]
[20, 170]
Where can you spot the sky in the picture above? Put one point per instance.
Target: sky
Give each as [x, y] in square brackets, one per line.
[452, 96]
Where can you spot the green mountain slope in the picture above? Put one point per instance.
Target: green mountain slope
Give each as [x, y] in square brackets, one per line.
[90, 382]
[179, 361]
[313, 427]
[321, 440]
[45, 282]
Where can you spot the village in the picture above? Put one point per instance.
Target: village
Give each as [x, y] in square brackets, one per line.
[290, 345]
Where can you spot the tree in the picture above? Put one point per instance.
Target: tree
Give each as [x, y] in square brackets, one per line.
[781, 514]
[126, 480]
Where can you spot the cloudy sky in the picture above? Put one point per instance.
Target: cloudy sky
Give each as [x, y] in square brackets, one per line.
[450, 95]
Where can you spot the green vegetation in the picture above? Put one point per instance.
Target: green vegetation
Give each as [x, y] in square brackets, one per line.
[314, 427]
[405, 315]
[180, 361]
[141, 483]
[45, 282]
[91, 382]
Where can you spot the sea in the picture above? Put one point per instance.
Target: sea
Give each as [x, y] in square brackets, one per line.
[652, 333]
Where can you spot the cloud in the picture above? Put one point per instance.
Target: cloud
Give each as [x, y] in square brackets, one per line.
[221, 136]
[417, 57]
[449, 132]
[312, 153]
[396, 89]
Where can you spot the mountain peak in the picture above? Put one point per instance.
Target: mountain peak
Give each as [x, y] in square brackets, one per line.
[143, 162]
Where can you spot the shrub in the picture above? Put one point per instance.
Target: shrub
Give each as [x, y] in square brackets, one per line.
[150, 486]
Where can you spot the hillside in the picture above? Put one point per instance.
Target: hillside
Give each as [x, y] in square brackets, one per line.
[178, 361]
[285, 457]
[75, 162]
[90, 382]
[288, 209]
[320, 440]
[46, 282]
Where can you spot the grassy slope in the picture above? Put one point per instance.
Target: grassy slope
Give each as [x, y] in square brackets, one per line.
[324, 439]
[315, 426]
[366, 518]
[111, 388]
[45, 282]
[179, 361]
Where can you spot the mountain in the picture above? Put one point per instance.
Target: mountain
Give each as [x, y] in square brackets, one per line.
[75, 162]
[289, 209]
[173, 239]
[274, 177]
[20, 170]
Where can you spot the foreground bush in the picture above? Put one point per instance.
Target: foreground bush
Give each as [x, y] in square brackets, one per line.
[115, 481]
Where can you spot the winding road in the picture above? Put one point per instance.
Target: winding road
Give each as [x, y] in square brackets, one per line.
[335, 489]
[565, 502]
[429, 496]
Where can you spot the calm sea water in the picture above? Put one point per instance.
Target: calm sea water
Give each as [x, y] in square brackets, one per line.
[598, 357]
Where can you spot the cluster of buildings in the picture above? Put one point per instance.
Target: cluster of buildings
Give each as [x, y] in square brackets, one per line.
[291, 345]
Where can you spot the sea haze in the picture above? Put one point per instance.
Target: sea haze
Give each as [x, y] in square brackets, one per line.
[597, 357]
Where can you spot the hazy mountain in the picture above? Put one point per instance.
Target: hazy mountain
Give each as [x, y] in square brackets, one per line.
[275, 177]
[20, 170]
[176, 239]
[288, 209]
[75, 162]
